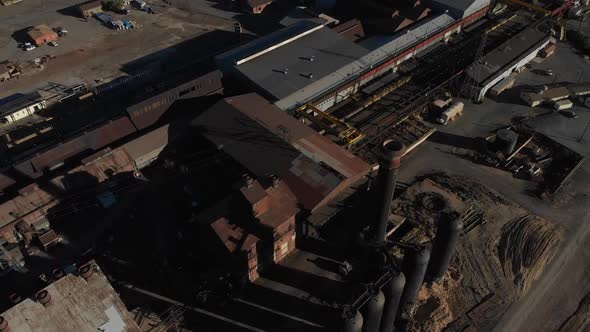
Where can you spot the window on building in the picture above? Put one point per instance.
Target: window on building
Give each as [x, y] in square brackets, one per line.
[284, 248]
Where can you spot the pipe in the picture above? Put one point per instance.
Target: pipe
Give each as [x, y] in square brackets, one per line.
[393, 292]
[195, 309]
[389, 164]
[445, 243]
[353, 320]
[415, 265]
[374, 309]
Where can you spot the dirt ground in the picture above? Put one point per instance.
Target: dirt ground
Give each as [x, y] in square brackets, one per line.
[92, 52]
[497, 260]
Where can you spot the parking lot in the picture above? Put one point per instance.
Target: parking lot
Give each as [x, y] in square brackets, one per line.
[91, 52]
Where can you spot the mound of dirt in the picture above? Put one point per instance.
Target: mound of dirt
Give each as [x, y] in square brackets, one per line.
[526, 245]
[433, 308]
[580, 320]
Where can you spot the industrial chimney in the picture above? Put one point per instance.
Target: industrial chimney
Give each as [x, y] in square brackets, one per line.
[389, 165]
[445, 242]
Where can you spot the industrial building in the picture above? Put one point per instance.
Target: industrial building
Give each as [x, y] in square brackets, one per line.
[21, 107]
[89, 8]
[267, 141]
[294, 64]
[256, 225]
[42, 34]
[81, 300]
[504, 60]
[147, 148]
[307, 63]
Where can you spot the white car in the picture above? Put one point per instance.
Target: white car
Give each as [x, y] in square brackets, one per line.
[30, 47]
[52, 44]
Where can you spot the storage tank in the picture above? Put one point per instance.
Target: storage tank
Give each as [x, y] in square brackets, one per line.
[353, 320]
[415, 265]
[445, 242]
[374, 309]
[389, 164]
[393, 292]
[506, 141]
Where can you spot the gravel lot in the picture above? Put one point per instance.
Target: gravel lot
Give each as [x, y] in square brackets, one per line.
[92, 52]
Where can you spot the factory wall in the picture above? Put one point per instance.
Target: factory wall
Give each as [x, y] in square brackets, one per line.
[147, 112]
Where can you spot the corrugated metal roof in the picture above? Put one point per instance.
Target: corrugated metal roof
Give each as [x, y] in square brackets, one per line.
[19, 103]
[511, 51]
[259, 136]
[298, 64]
[458, 8]
[76, 305]
[154, 140]
[298, 135]
[233, 235]
[89, 141]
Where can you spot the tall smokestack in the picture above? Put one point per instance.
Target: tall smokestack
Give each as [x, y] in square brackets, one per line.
[445, 242]
[389, 164]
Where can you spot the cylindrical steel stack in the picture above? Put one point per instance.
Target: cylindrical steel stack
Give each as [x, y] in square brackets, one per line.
[374, 309]
[393, 292]
[353, 320]
[415, 264]
[389, 165]
[445, 242]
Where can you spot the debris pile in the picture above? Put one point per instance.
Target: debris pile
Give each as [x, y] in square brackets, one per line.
[525, 247]
[433, 309]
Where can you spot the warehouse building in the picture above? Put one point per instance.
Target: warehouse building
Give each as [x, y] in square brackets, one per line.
[267, 141]
[504, 60]
[309, 63]
[147, 148]
[42, 34]
[295, 64]
[21, 107]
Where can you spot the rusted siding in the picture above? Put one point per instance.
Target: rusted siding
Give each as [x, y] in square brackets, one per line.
[149, 111]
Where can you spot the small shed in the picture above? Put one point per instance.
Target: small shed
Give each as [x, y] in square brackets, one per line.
[89, 8]
[42, 34]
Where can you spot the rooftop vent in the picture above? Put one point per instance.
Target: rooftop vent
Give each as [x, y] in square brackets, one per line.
[43, 297]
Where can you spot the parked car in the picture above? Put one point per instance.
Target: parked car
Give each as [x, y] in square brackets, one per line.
[52, 43]
[30, 47]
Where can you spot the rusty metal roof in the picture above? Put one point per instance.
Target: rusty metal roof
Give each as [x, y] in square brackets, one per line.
[233, 237]
[267, 141]
[87, 142]
[154, 140]
[76, 304]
